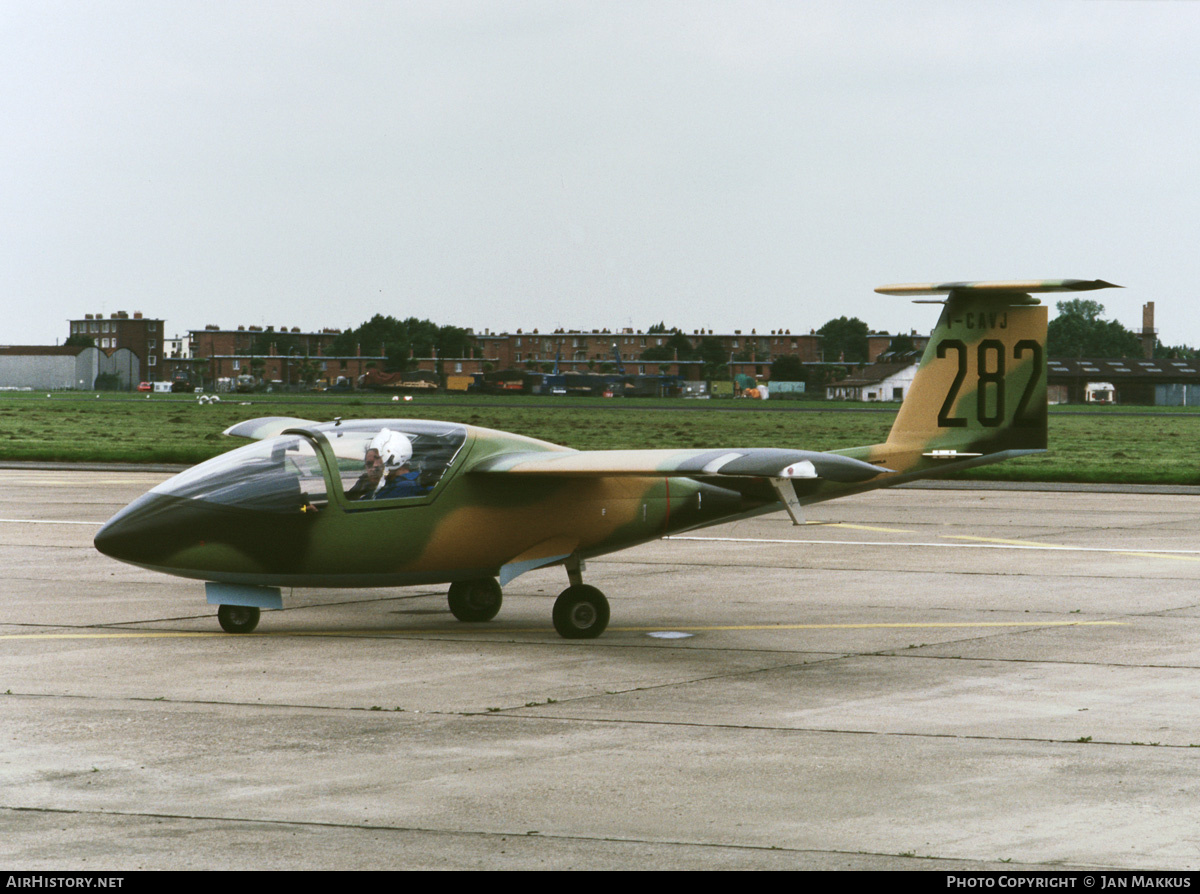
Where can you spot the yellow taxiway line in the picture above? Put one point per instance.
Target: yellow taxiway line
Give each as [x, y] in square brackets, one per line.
[458, 631]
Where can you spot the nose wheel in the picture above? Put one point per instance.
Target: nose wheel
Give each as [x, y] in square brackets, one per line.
[580, 612]
[238, 618]
[475, 600]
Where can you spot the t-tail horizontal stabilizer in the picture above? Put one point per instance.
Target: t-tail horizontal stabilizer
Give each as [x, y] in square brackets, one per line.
[998, 287]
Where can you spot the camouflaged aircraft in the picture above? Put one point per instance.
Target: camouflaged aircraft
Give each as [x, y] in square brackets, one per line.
[398, 502]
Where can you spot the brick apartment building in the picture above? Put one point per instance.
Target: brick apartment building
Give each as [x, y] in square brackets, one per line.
[283, 355]
[141, 335]
[288, 355]
[578, 348]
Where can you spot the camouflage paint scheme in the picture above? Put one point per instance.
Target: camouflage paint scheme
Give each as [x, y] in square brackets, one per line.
[503, 504]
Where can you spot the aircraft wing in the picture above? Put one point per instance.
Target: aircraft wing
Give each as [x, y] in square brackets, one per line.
[754, 462]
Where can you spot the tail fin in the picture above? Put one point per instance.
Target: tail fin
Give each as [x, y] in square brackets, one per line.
[980, 390]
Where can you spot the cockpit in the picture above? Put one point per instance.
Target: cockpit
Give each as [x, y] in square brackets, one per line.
[292, 473]
[432, 446]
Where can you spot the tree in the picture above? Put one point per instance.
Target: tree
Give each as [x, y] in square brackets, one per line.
[1084, 308]
[677, 343]
[712, 352]
[1078, 331]
[844, 340]
[819, 375]
[398, 339]
[283, 341]
[788, 368]
[309, 372]
[80, 341]
[1174, 352]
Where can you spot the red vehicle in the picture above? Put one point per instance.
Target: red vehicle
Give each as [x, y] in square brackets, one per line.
[145, 386]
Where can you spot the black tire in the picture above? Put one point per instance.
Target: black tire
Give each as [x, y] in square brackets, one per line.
[474, 601]
[238, 618]
[580, 612]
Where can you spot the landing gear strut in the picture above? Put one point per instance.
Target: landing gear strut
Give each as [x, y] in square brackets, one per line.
[475, 600]
[580, 611]
[238, 618]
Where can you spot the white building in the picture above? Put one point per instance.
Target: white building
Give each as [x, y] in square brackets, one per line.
[60, 367]
[877, 382]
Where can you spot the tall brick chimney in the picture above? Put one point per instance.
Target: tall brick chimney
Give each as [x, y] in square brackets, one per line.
[1148, 335]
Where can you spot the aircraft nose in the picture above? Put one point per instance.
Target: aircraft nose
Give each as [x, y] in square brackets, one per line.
[133, 533]
[195, 538]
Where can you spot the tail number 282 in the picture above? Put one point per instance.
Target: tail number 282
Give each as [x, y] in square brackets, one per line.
[989, 363]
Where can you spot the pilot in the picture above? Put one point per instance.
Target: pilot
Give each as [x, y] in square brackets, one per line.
[387, 475]
[368, 481]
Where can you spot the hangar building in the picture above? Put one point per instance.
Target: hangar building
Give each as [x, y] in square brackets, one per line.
[58, 368]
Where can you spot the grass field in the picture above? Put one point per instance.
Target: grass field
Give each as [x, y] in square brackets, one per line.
[1128, 444]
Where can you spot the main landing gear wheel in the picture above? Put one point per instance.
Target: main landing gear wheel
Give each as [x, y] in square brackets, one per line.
[475, 600]
[580, 612]
[238, 618]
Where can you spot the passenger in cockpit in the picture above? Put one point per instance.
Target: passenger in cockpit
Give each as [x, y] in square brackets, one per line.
[368, 482]
[387, 474]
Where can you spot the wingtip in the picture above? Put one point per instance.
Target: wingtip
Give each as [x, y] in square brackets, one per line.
[1088, 285]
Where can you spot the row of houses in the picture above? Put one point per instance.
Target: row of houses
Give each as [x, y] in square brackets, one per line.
[225, 352]
[1141, 382]
[131, 348]
[289, 356]
[574, 349]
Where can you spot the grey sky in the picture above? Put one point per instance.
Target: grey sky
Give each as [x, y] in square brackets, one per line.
[529, 164]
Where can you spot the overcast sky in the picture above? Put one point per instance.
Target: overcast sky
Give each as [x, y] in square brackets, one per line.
[544, 164]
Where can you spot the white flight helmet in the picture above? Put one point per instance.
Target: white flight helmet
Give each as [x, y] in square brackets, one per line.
[395, 449]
